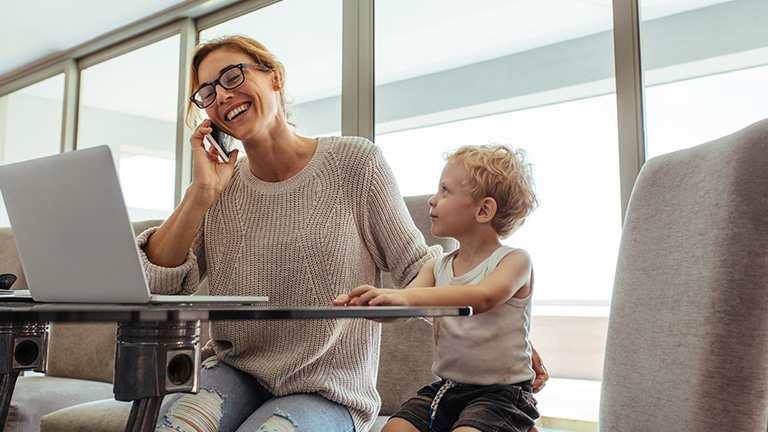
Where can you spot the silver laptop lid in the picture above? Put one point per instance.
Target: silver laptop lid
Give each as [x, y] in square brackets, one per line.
[72, 230]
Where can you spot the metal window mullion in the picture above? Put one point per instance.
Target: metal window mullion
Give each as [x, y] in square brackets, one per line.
[358, 84]
[188, 40]
[630, 94]
[69, 114]
[31, 77]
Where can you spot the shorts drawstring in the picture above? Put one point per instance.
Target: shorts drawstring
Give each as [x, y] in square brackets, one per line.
[439, 395]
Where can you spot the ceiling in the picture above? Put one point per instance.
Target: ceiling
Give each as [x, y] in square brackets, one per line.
[48, 27]
[449, 33]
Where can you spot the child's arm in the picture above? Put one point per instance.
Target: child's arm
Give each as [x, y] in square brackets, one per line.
[425, 278]
[512, 277]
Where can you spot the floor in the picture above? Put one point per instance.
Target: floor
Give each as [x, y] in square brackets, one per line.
[569, 405]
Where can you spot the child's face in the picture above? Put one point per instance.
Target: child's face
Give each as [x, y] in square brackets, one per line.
[452, 207]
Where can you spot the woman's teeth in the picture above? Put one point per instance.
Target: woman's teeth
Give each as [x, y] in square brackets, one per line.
[235, 112]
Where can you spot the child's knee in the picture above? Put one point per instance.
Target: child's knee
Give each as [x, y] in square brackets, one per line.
[397, 424]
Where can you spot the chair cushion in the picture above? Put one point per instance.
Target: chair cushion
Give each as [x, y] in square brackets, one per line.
[35, 396]
[107, 415]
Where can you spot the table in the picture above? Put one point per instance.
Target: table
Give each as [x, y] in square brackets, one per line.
[157, 350]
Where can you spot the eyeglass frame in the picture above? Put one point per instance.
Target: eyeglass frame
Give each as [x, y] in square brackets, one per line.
[213, 84]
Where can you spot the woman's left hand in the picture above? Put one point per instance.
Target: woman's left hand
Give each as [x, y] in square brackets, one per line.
[541, 373]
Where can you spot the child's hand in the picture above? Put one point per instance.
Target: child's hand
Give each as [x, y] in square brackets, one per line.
[366, 295]
[341, 300]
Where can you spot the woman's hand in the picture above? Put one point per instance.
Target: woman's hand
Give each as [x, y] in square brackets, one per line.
[541, 373]
[209, 174]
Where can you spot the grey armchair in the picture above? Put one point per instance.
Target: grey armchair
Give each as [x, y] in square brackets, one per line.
[687, 346]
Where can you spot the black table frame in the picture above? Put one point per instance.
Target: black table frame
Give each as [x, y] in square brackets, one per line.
[146, 333]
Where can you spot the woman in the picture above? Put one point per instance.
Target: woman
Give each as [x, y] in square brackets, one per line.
[300, 220]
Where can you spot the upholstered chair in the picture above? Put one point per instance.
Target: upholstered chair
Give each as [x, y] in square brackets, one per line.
[687, 345]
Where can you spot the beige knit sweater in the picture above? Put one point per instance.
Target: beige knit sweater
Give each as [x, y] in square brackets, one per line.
[335, 225]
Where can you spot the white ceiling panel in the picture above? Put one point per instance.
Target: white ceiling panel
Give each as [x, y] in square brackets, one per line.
[36, 29]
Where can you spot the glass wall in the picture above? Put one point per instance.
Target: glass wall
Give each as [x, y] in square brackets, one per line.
[30, 125]
[706, 69]
[130, 104]
[305, 35]
[527, 76]
[539, 76]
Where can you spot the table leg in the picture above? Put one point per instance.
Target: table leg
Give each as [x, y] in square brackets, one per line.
[144, 414]
[154, 359]
[7, 383]
[24, 347]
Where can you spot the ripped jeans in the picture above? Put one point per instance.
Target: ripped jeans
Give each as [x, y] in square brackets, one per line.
[231, 400]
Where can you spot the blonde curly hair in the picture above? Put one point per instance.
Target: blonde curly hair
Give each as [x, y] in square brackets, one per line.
[504, 174]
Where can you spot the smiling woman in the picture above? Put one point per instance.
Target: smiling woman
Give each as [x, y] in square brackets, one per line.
[300, 219]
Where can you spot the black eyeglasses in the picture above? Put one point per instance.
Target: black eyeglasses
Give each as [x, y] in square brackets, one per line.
[231, 78]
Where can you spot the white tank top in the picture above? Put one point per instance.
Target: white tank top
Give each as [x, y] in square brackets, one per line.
[487, 348]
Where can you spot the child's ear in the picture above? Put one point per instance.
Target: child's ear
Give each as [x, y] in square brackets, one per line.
[487, 210]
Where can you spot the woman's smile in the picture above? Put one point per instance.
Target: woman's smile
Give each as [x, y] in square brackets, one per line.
[237, 111]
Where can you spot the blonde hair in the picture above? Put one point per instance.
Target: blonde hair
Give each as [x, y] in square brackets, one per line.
[250, 47]
[504, 174]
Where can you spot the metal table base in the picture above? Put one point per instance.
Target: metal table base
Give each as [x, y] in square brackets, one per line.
[158, 346]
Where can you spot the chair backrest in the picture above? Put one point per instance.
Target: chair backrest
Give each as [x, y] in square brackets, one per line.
[687, 344]
[9, 259]
[405, 363]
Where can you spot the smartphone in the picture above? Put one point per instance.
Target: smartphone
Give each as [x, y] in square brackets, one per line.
[222, 142]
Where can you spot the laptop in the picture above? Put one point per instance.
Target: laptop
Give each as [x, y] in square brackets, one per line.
[73, 235]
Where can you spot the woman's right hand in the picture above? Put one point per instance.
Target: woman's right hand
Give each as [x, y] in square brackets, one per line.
[209, 174]
[169, 245]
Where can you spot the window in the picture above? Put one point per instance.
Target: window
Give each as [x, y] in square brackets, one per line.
[130, 104]
[30, 124]
[706, 68]
[465, 78]
[305, 35]
[536, 76]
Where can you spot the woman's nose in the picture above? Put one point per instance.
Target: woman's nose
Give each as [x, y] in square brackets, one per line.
[223, 95]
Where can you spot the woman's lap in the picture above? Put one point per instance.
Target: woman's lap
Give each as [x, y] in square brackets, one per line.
[303, 412]
[230, 400]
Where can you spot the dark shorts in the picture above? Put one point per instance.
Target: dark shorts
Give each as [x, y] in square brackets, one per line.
[495, 408]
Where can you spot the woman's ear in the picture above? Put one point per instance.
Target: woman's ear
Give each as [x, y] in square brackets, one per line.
[277, 84]
[487, 210]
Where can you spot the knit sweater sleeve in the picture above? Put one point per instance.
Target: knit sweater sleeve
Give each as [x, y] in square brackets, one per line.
[183, 279]
[393, 240]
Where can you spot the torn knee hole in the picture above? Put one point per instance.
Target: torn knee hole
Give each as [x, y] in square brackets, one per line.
[200, 412]
[210, 363]
[279, 422]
